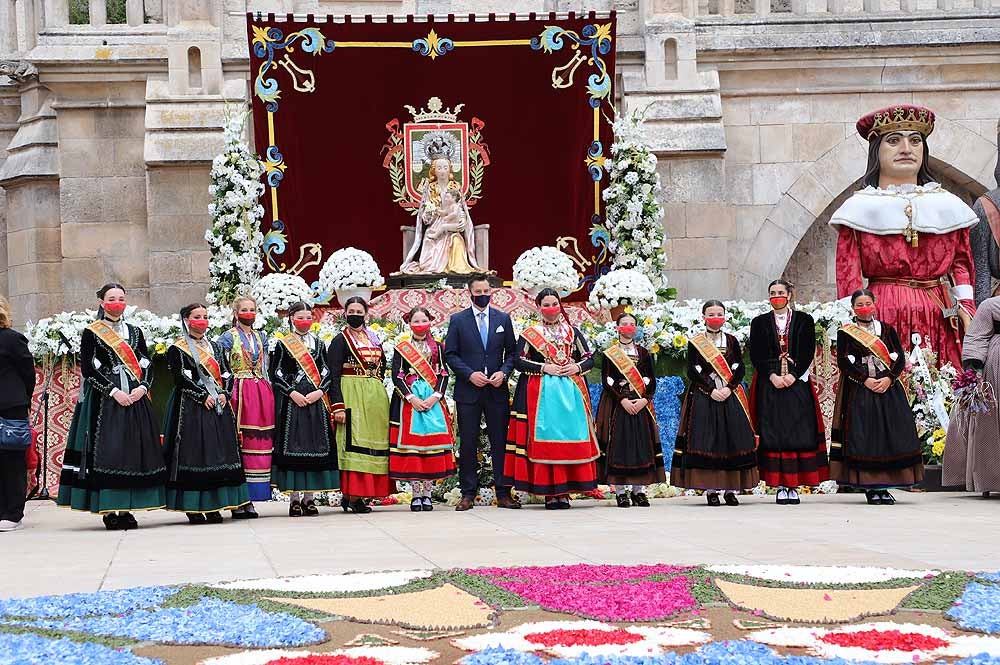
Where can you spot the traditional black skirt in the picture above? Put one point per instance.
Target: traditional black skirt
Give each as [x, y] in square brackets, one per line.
[786, 417]
[881, 433]
[716, 435]
[304, 441]
[202, 447]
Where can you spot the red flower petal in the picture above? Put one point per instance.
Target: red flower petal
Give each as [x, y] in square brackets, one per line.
[326, 659]
[587, 638]
[885, 640]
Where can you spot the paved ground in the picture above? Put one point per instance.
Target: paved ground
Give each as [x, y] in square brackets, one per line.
[61, 551]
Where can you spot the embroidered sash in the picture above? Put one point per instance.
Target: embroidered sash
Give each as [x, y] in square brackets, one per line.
[305, 361]
[870, 341]
[718, 362]
[418, 362]
[205, 359]
[626, 366]
[119, 346]
[550, 351]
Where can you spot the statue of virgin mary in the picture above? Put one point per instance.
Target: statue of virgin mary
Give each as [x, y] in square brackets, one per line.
[444, 242]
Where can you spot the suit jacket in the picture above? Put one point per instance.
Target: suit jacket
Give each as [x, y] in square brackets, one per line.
[17, 370]
[465, 354]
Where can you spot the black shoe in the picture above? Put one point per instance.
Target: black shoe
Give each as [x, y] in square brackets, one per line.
[196, 518]
[250, 513]
[873, 497]
[111, 522]
[563, 504]
[309, 509]
[793, 498]
[778, 499]
[295, 509]
[126, 522]
[243, 512]
[640, 500]
[359, 507]
[713, 499]
[623, 500]
[731, 499]
[551, 504]
[427, 506]
[214, 517]
[416, 506]
[887, 499]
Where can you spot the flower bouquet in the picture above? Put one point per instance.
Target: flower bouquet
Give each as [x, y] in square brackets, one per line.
[972, 393]
[621, 288]
[545, 267]
[350, 272]
[276, 292]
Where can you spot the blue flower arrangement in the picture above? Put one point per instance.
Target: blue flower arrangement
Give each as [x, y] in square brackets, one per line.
[119, 601]
[210, 621]
[978, 609]
[989, 577]
[18, 649]
[666, 403]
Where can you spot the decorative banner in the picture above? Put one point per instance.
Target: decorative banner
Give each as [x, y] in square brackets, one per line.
[351, 116]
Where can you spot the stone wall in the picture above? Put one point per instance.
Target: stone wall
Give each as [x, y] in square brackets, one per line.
[109, 143]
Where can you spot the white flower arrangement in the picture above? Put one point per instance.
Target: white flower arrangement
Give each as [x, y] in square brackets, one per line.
[350, 268]
[235, 237]
[546, 267]
[620, 287]
[277, 291]
[633, 212]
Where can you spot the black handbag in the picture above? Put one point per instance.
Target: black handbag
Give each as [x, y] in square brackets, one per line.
[14, 434]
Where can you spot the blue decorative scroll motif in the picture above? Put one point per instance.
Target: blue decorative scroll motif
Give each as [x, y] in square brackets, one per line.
[267, 42]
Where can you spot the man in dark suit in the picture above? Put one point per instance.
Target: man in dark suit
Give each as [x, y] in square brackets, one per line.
[480, 351]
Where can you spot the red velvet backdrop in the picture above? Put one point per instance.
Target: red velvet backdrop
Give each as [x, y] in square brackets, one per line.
[329, 116]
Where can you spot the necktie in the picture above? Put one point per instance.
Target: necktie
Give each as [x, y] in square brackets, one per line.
[482, 327]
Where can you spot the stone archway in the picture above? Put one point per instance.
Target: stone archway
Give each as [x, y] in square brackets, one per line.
[962, 159]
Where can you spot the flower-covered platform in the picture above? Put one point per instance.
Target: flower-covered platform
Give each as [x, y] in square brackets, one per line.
[576, 614]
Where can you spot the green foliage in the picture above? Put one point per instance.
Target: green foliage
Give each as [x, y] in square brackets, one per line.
[79, 11]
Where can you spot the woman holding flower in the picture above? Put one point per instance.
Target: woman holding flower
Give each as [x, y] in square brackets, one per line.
[113, 463]
[551, 446]
[631, 456]
[204, 469]
[360, 408]
[716, 448]
[252, 398]
[783, 400]
[874, 443]
[421, 440]
[305, 455]
[972, 453]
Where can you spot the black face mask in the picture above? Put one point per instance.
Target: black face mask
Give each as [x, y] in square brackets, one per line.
[481, 301]
[355, 320]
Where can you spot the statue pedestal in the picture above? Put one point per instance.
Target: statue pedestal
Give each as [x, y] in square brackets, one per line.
[434, 281]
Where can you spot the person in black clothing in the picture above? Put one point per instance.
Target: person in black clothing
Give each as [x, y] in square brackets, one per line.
[17, 382]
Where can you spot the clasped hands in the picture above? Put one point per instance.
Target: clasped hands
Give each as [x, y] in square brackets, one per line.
[480, 380]
[306, 400]
[570, 369]
[422, 405]
[634, 406]
[128, 399]
[878, 385]
[783, 381]
[211, 401]
[721, 394]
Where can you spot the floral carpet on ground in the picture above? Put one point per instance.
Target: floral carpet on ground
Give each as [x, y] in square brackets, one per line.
[577, 614]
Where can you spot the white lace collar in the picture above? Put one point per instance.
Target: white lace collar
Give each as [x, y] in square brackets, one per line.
[892, 210]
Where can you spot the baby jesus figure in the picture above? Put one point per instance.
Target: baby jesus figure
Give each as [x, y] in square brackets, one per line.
[449, 219]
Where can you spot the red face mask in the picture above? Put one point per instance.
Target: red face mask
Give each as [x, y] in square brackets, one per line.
[302, 325]
[551, 311]
[198, 325]
[865, 311]
[779, 302]
[247, 319]
[114, 308]
[627, 329]
[420, 328]
[715, 322]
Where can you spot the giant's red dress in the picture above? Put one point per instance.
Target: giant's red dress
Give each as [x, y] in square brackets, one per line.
[871, 245]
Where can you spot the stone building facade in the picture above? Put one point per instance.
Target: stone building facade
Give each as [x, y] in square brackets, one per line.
[109, 130]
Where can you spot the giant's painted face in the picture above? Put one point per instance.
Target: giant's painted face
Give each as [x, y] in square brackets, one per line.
[900, 156]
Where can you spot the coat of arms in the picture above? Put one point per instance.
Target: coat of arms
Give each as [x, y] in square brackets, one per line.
[435, 134]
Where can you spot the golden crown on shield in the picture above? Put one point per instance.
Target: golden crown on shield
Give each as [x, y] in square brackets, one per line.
[434, 112]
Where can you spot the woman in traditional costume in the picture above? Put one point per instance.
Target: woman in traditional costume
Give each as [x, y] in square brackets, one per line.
[421, 440]
[305, 456]
[874, 438]
[360, 408]
[551, 446]
[716, 448]
[908, 236]
[205, 471]
[631, 456]
[113, 463]
[972, 455]
[253, 399]
[783, 400]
